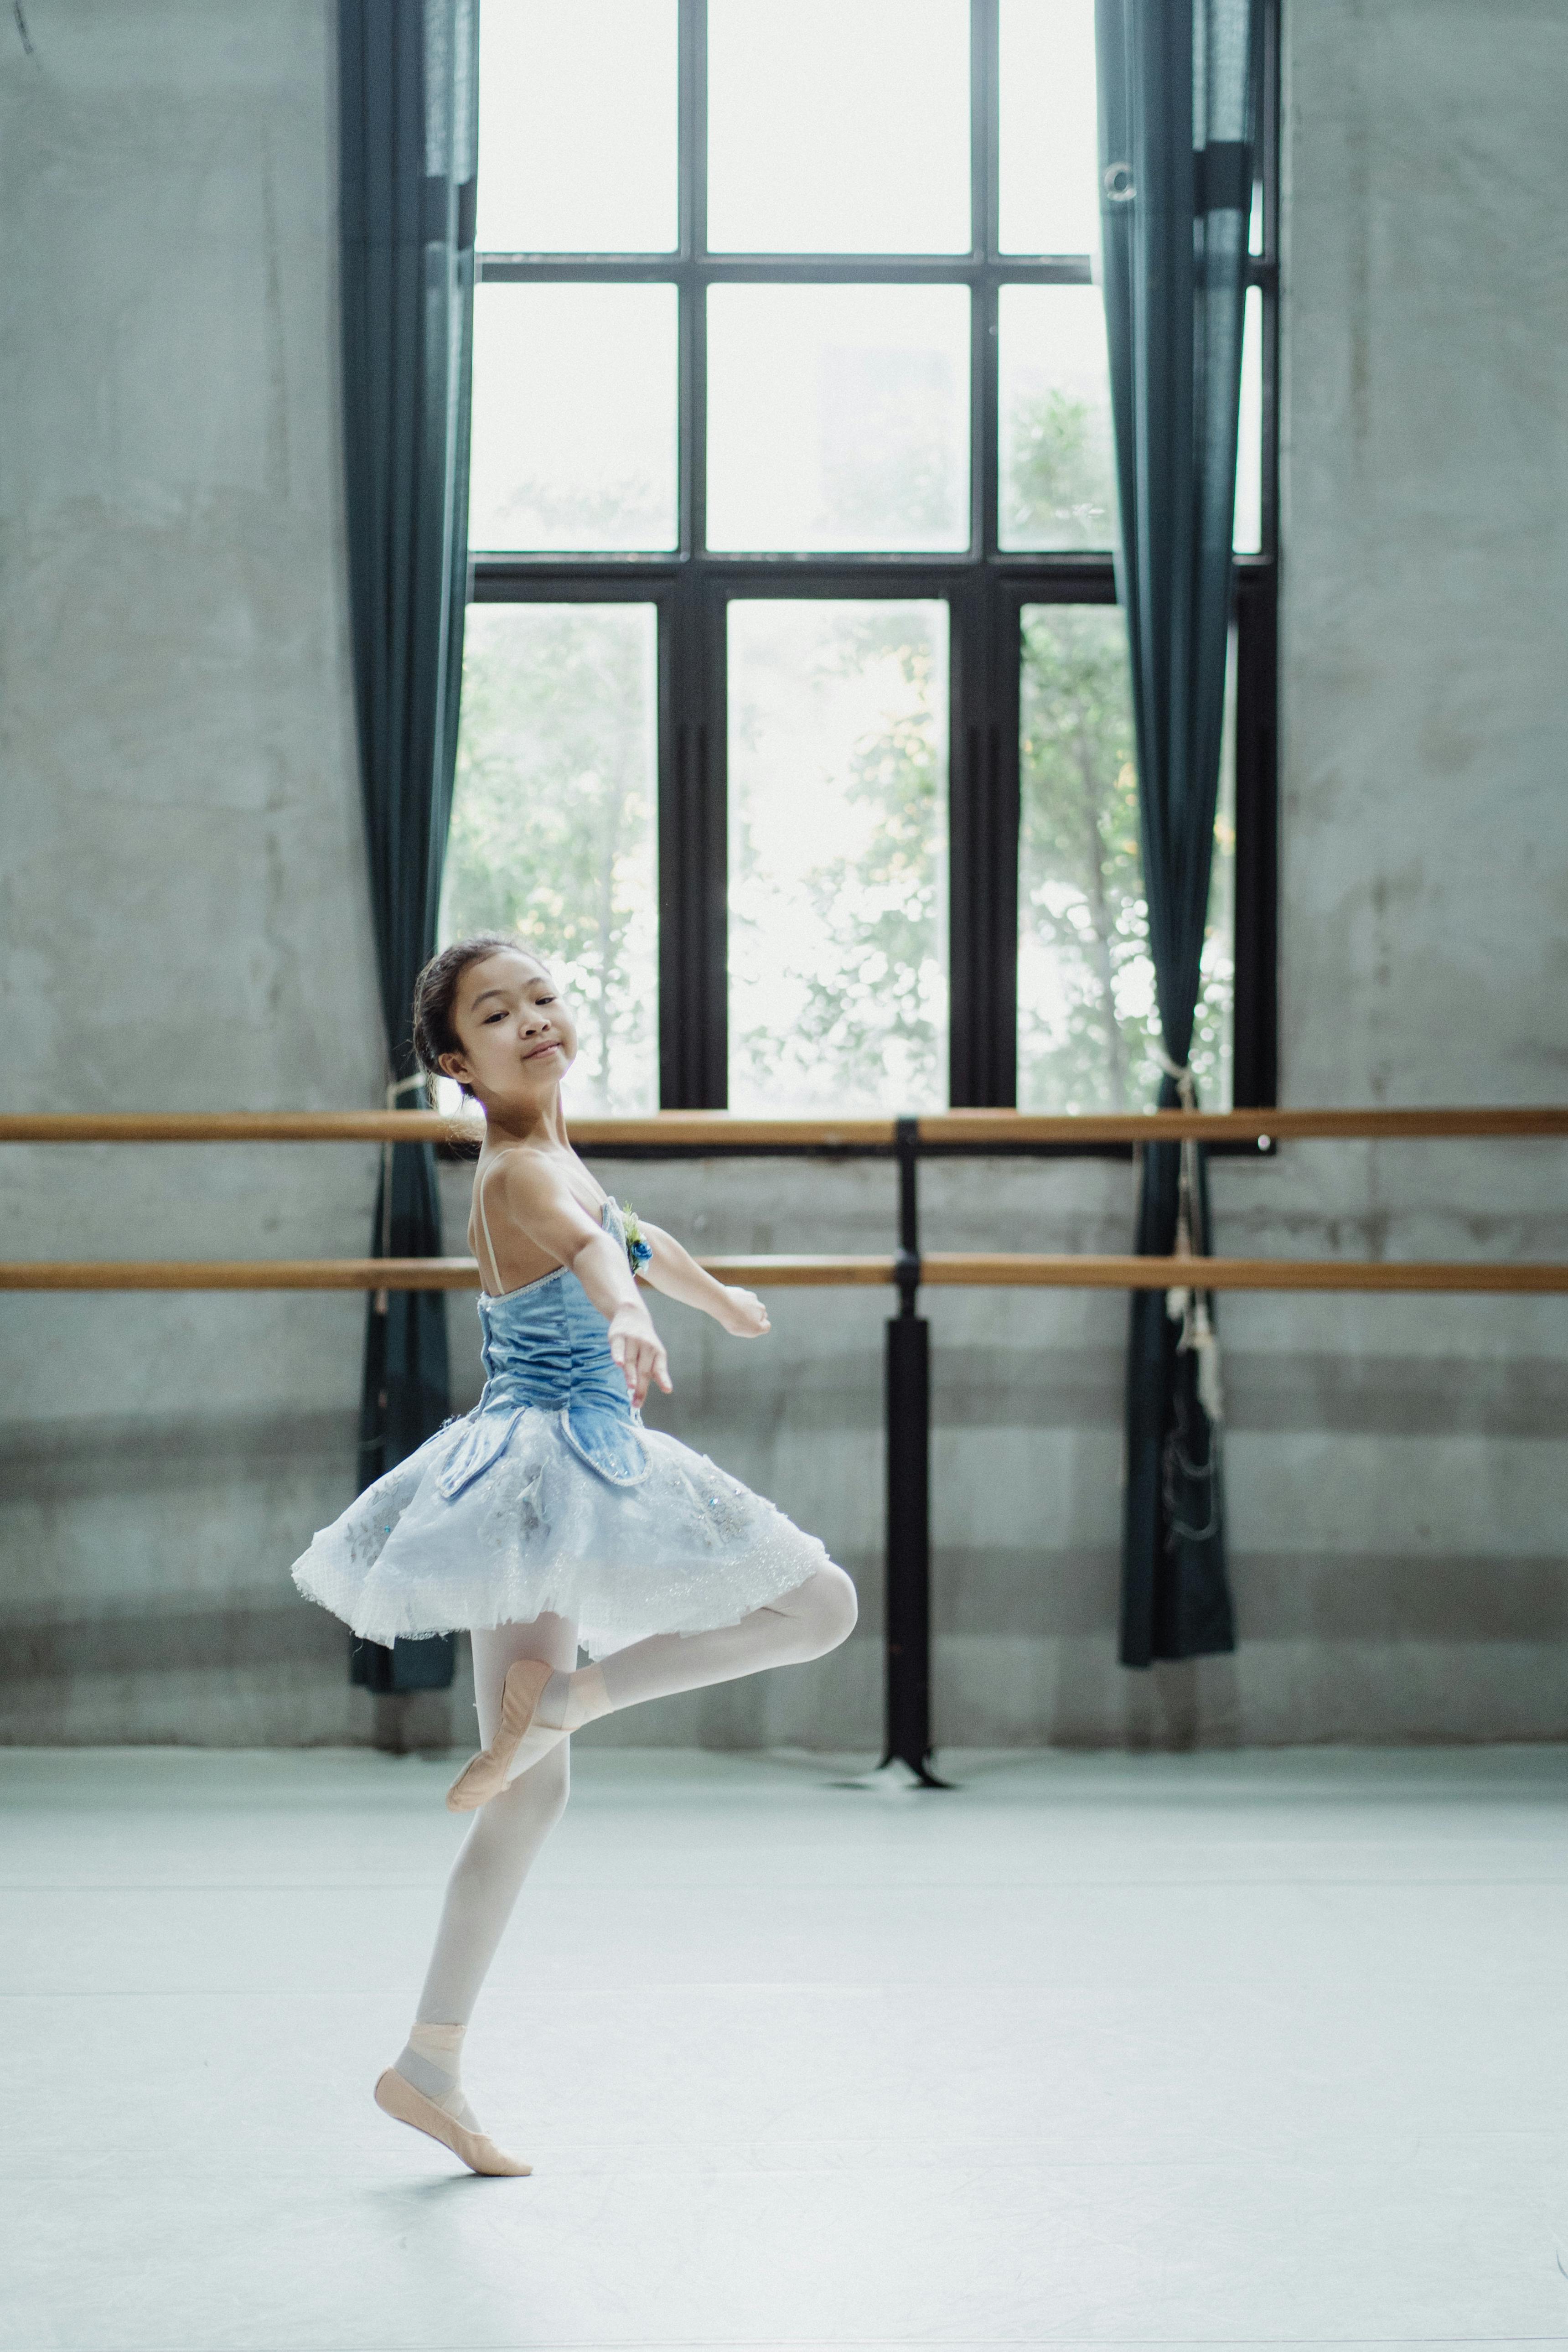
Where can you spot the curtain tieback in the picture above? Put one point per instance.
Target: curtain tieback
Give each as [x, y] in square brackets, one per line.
[1186, 1305]
[1187, 1085]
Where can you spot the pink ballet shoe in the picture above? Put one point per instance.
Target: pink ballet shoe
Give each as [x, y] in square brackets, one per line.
[398, 2099]
[519, 1742]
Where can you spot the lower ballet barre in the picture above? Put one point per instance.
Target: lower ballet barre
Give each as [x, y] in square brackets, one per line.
[940, 1269]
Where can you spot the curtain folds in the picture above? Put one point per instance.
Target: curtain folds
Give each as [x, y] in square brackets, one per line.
[408, 119]
[1177, 105]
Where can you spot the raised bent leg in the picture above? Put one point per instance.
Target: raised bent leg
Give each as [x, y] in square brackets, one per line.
[805, 1624]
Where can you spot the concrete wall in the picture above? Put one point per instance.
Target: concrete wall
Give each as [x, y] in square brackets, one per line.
[185, 926]
[184, 917]
[1398, 1471]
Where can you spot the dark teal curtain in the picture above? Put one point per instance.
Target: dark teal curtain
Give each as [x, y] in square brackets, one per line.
[408, 95]
[1177, 104]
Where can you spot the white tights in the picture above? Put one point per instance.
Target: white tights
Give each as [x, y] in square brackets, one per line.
[507, 1833]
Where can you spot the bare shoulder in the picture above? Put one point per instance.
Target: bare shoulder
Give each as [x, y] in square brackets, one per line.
[533, 1183]
[515, 1167]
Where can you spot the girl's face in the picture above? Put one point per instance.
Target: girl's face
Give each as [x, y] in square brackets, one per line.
[518, 1039]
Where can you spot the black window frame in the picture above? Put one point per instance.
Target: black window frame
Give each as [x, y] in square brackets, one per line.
[984, 587]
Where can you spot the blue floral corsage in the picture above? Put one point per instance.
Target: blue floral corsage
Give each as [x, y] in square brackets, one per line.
[638, 1250]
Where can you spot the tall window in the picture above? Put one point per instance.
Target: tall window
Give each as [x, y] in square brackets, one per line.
[795, 717]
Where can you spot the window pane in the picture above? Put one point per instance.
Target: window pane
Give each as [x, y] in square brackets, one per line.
[1059, 478]
[1249, 443]
[574, 438]
[838, 126]
[837, 855]
[1086, 1022]
[553, 825]
[1050, 129]
[577, 118]
[838, 417]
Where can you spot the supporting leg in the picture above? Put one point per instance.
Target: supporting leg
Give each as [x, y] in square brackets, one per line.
[496, 1857]
[499, 1851]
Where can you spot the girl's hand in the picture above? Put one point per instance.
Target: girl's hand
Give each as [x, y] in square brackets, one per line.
[743, 1316]
[639, 1351]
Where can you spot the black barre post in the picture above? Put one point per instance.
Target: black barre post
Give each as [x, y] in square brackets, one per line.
[908, 1601]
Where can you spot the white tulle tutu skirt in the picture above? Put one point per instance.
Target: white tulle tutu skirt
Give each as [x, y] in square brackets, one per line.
[683, 1549]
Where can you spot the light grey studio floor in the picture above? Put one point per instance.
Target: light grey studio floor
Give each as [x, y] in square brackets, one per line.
[1216, 2051]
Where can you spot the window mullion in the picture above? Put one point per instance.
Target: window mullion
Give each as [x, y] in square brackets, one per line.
[1269, 145]
[692, 406]
[1255, 1013]
[982, 883]
[984, 119]
[984, 53]
[983, 843]
[693, 865]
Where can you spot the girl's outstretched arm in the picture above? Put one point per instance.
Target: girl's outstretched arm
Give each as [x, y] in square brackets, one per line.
[677, 1272]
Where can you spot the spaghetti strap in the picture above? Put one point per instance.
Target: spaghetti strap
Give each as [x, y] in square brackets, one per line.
[500, 1290]
[480, 1182]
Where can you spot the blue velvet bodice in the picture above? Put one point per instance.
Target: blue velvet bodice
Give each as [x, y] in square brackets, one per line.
[547, 1345]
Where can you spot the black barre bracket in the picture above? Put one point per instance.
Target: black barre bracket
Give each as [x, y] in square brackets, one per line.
[908, 1739]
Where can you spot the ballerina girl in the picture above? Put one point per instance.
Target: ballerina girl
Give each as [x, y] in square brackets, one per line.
[550, 1519]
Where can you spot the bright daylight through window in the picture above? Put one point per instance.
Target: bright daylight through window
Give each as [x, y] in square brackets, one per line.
[837, 974]
[553, 820]
[796, 720]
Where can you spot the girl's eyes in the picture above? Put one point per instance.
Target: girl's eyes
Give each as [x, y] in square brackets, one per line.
[491, 1018]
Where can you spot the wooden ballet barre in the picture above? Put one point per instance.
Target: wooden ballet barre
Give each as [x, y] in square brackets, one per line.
[971, 1269]
[982, 1127]
[982, 1130]
[241, 1274]
[427, 1126]
[950, 1269]
[234, 1126]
